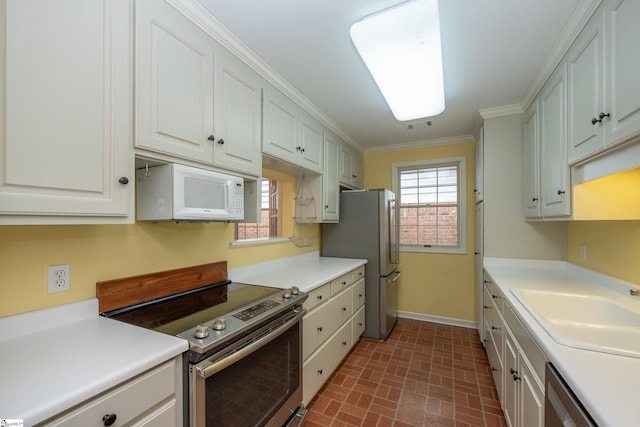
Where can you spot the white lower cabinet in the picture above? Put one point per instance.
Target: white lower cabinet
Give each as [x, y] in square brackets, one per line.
[332, 325]
[516, 361]
[150, 399]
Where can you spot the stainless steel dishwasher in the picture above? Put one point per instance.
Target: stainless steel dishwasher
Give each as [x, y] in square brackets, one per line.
[561, 407]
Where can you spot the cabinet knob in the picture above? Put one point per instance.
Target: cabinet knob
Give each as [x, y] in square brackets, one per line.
[221, 141]
[344, 308]
[560, 192]
[535, 199]
[123, 180]
[319, 297]
[320, 371]
[109, 419]
[319, 328]
[326, 206]
[344, 343]
[211, 138]
[515, 377]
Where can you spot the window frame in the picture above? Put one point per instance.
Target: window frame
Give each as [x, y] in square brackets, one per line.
[271, 182]
[461, 162]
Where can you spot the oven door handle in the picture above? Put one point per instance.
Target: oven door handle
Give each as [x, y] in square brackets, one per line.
[206, 368]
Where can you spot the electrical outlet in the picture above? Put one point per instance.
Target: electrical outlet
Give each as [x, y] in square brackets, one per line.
[58, 278]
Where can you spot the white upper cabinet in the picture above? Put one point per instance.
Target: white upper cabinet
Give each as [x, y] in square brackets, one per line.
[65, 129]
[603, 90]
[238, 112]
[622, 70]
[330, 188]
[532, 163]
[289, 133]
[350, 167]
[194, 100]
[173, 83]
[555, 180]
[585, 90]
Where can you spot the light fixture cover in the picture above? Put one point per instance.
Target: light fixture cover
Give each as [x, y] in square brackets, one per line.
[401, 47]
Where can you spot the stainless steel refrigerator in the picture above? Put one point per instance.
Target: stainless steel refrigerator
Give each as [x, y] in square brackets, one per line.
[368, 229]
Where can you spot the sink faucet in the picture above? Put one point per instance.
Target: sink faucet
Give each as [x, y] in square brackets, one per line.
[635, 292]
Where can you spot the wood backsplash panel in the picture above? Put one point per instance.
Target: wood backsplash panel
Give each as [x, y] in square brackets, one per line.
[118, 293]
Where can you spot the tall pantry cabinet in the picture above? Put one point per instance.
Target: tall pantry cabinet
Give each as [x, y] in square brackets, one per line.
[65, 129]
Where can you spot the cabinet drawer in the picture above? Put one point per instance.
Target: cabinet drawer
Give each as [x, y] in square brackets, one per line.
[341, 283]
[318, 369]
[127, 401]
[318, 296]
[358, 324]
[494, 354]
[357, 292]
[357, 274]
[321, 323]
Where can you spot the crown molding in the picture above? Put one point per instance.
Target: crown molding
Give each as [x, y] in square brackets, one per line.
[421, 144]
[584, 10]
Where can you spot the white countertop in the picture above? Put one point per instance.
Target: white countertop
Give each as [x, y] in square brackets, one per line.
[606, 384]
[307, 271]
[53, 359]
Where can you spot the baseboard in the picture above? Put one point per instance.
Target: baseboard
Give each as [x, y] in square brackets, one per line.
[438, 319]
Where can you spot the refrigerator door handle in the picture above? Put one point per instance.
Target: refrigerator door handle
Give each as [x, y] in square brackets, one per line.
[395, 278]
[394, 233]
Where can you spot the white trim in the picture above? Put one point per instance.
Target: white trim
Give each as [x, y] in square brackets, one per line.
[461, 248]
[438, 319]
[505, 110]
[420, 144]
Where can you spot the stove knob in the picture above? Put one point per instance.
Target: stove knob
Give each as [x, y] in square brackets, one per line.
[202, 331]
[286, 294]
[295, 290]
[219, 324]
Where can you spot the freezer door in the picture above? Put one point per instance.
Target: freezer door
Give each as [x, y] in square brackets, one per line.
[389, 303]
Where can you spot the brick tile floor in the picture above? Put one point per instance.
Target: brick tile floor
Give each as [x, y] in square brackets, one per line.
[424, 374]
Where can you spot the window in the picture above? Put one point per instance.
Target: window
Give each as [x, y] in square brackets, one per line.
[432, 208]
[270, 225]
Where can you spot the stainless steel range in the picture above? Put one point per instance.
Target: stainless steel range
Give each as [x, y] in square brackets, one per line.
[244, 364]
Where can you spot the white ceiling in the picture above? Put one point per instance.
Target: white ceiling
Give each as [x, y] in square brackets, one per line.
[492, 52]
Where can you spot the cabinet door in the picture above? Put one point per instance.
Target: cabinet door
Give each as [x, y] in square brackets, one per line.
[311, 153]
[585, 90]
[173, 84]
[281, 128]
[358, 170]
[556, 192]
[238, 107]
[531, 403]
[623, 69]
[66, 121]
[532, 163]
[347, 174]
[510, 385]
[330, 186]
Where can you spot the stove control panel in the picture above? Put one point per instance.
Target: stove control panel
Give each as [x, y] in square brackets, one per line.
[221, 329]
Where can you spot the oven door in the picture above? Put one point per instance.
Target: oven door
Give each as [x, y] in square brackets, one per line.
[258, 383]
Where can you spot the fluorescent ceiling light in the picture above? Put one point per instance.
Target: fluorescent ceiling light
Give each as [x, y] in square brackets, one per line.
[401, 48]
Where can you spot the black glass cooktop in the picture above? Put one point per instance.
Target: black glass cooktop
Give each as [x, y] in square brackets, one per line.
[177, 313]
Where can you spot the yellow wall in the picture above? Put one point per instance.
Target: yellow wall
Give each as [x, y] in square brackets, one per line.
[103, 252]
[432, 284]
[613, 247]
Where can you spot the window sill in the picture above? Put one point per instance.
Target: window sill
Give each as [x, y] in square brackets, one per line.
[258, 242]
[434, 250]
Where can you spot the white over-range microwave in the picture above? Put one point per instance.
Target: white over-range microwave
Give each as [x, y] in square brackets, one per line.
[176, 192]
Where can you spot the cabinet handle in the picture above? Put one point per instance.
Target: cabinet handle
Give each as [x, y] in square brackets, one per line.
[494, 369]
[221, 141]
[320, 371]
[600, 117]
[354, 176]
[326, 206]
[123, 180]
[515, 377]
[560, 192]
[109, 419]
[535, 199]
[319, 328]
[319, 297]
[485, 306]
[360, 295]
[495, 328]
[211, 138]
[512, 371]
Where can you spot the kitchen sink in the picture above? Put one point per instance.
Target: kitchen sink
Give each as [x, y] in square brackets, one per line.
[585, 321]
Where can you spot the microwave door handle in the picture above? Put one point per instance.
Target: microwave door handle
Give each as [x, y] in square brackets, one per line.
[206, 372]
